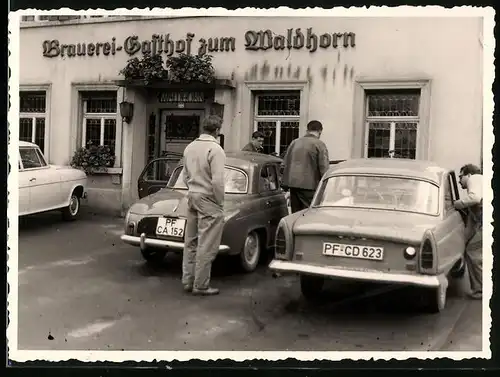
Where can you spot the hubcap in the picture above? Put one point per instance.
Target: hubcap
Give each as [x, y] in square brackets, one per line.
[251, 249]
[73, 205]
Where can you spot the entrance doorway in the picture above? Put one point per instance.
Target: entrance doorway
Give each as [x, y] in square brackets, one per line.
[178, 128]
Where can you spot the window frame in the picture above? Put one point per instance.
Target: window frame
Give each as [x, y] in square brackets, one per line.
[83, 116]
[46, 88]
[272, 167]
[278, 119]
[252, 89]
[360, 103]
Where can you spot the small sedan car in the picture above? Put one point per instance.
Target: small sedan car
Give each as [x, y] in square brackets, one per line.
[377, 220]
[44, 187]
[254, 205]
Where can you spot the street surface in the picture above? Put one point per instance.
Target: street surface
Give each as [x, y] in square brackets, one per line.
[81, 288]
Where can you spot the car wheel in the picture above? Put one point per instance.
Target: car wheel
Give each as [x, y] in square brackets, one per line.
[435, 299]
[153, 256]
[311, 286]
[250, 255]
[72, 211]
[458, 270]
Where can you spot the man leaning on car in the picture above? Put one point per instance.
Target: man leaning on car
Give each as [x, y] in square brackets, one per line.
[204, 176]
[305, 162]
[471, 179]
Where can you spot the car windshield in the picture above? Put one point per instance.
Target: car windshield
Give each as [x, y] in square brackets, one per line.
[376, 192]
[236, 180]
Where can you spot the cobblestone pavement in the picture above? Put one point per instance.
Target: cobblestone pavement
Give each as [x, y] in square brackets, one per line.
[81, 288]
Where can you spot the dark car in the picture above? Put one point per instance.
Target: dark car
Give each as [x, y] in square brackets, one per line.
[377, 220]
[254, 205]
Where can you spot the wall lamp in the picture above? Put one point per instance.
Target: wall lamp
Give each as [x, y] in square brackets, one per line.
[126, 111]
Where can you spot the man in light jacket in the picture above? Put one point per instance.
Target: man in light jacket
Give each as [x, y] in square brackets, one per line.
[204, 161]
[471, 179]
[305, 162]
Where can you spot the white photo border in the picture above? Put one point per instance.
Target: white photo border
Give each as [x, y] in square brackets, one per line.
[17, 355]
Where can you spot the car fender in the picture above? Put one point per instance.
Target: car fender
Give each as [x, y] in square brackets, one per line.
[80, 183]
[286, 224]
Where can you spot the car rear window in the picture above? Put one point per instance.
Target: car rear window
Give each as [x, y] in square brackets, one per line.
[236, 180]
[378, 192]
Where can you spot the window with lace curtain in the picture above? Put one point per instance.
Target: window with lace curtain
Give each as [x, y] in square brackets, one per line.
[392, 120]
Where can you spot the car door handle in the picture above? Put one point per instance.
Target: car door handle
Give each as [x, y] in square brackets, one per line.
[268, 203]
[32, 179]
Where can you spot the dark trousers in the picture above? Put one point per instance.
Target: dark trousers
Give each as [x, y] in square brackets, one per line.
[300, 199]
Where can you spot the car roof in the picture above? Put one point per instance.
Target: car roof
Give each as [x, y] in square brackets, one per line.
[245, 158]
[26, 144]
[390, 166]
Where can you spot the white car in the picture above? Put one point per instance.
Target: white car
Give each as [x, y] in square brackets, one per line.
[44, 187]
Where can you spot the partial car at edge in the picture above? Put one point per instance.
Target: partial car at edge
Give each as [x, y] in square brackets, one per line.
[44, 187]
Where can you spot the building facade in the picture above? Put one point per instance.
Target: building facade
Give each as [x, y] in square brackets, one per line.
[412, 85]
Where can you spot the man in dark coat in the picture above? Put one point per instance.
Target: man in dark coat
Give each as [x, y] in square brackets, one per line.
[305, 162]
[255, 145]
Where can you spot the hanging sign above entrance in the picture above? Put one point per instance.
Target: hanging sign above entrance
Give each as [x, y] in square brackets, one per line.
[181, 97]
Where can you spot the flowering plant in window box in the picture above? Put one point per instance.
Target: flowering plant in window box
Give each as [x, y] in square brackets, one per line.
[185, 68]
[180, 69]
[150, 68]
[93, 159]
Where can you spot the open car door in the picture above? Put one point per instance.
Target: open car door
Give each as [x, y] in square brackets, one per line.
[456, 195]
[156, 174]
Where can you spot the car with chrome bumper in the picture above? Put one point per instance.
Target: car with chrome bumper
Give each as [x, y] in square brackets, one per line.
[254, 204]
[376, 220]
[45, 187]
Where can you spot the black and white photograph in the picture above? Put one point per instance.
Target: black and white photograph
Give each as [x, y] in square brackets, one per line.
[250, 184]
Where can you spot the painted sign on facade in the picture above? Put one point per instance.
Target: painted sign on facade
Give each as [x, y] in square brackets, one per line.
[165, 44]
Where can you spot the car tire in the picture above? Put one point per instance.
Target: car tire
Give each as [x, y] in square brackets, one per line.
[72, 211]
[458, 270]
[250, 255]
[153, 256]
[435, 299]
[311, 286]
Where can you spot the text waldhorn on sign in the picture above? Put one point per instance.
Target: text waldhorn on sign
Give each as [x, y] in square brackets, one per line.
[164, 44]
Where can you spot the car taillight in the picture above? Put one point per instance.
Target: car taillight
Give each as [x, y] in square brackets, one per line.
[409, 253]
[280, 242]
[130, 228]
[426, 255]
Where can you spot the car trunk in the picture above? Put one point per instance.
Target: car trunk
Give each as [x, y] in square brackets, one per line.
[355, 239]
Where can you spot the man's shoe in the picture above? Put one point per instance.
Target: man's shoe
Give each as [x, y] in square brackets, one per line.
[188, 288]
[205, 292]
[476, 295]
